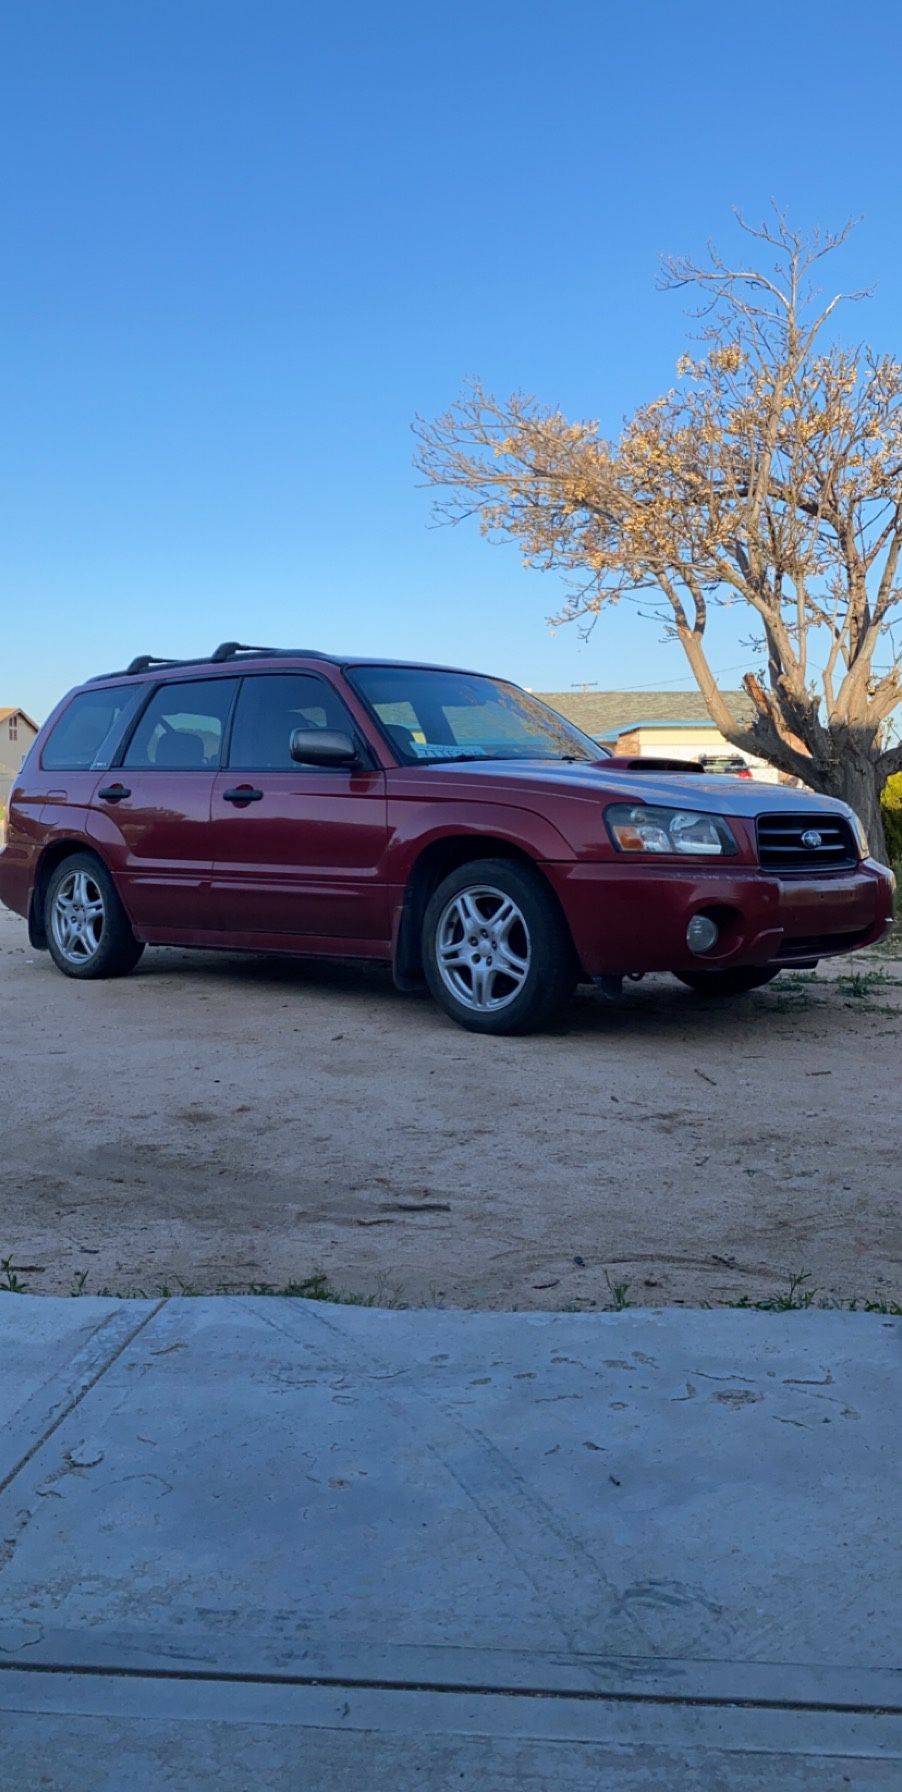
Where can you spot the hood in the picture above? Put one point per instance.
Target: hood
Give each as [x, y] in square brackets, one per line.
[706, 793]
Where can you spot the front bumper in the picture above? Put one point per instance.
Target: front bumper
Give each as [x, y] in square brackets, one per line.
[635, 919]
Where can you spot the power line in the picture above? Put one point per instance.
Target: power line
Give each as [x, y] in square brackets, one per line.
[661, 683]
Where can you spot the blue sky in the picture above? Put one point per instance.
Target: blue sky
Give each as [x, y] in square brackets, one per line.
[244, 241]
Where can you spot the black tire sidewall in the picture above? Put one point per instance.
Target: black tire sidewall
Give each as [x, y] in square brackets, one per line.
[552, 971]
[118, 950]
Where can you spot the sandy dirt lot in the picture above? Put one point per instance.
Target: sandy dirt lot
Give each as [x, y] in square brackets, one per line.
[223, 1121]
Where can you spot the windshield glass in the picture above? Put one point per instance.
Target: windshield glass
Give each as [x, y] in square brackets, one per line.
[430, 716]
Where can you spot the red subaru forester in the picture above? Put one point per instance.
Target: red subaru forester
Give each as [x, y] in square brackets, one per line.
[445, 822]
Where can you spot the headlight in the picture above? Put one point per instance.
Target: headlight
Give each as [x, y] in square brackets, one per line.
[635, 827]
[861, 834]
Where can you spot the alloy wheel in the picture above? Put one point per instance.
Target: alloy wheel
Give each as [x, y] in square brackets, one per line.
[77, 917]
[482, 948]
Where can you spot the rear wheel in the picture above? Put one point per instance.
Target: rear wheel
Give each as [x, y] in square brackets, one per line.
[88, 931]
[497, 954]
[735, 982]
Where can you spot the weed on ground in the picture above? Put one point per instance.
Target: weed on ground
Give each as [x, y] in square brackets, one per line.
[798, 1296]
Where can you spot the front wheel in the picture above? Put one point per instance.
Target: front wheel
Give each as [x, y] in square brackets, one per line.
[497, 953]
[87, 927]
[736, 982]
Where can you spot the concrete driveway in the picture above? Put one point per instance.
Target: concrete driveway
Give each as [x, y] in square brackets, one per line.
[227, 1121]
[268, 1543]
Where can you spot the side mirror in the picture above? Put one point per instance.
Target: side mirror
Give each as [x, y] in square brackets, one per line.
[322, 746]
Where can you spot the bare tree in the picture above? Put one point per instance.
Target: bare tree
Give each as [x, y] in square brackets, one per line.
[769, 476]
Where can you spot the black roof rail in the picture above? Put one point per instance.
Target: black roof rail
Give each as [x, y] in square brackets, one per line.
[221, 655]
[233, 650]
[144, 661]
[229, 650]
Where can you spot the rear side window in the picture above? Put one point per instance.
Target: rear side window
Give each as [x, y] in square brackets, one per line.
[182, 726]
[270, 708]
[88, 732]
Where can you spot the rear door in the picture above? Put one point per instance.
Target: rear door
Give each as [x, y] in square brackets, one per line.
[151, 812]
[299, 851]
[81, 743]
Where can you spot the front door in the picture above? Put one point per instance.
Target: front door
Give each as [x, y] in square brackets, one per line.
[299, 851]
[151, 813]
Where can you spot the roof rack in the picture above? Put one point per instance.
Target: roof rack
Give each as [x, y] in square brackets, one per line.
[144, 662]
[221, 655]
[229, 650]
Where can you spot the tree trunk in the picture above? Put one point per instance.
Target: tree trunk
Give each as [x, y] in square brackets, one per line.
[856, 782]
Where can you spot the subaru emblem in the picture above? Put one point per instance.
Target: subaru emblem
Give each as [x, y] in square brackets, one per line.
[811, 838]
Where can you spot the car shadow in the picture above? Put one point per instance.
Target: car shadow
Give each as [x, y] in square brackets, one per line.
[653, 1009]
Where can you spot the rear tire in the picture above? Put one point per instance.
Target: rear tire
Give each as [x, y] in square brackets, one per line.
[88, 931]
[497, 953]
[737, 982]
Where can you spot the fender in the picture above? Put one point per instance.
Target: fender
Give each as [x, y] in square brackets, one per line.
[50, 855]
[87, 830]
[494, 827]
[416, 824]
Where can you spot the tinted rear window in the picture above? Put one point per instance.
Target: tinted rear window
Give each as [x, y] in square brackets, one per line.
[88, 732]
[182, 726]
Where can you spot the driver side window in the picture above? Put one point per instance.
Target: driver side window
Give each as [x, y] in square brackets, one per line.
[271, 705]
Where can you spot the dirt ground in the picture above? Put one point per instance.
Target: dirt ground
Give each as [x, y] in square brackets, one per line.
[223, 1121]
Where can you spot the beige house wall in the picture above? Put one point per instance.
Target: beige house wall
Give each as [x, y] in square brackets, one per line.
[690, 743]
[16, 736]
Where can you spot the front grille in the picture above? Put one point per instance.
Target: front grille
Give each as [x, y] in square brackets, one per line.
[781, 846]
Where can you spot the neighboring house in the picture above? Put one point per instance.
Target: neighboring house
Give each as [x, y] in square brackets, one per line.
[17, 731]
[676, 724]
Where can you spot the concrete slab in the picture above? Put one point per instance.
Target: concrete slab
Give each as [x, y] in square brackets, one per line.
[51, 1352]
[74, 1734]
[670, 1535]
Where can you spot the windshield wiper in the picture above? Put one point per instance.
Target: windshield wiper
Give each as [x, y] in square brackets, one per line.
[505, 759]
[464, 758]
[456, 758]
[549, 758]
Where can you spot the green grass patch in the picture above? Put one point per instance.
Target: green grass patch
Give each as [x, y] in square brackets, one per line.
[313, 1287]
[799, 1296]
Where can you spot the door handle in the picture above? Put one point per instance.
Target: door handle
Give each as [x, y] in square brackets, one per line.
[242, 793]
[113, 793]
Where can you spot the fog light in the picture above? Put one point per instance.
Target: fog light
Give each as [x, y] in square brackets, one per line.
[702, 934]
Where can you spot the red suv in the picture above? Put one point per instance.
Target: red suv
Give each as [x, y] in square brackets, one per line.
[442, 821]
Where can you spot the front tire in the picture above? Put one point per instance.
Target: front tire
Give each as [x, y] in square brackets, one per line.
[88, 931]
[497, 953]
[737, 982]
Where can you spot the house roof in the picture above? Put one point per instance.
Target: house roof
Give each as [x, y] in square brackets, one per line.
[14, 710]
[609, 713]
[652, 722]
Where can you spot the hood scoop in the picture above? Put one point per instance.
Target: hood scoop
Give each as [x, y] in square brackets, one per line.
[652, 763]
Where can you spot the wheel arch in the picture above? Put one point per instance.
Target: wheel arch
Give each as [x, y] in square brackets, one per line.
[433, 863]
[53, 855]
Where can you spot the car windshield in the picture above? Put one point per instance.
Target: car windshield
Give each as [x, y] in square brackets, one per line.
[434, 716]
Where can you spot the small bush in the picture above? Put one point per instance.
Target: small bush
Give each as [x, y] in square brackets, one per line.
[891, 802]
